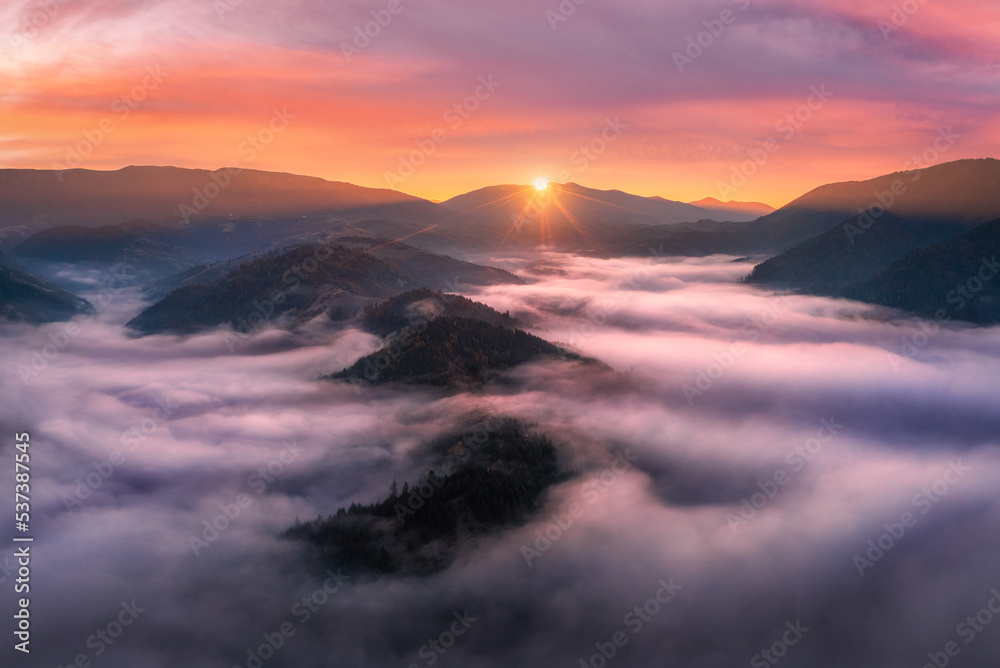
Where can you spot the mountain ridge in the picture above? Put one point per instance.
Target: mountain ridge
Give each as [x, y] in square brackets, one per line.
[738, 211]
[452, 352]
[954, 279]
[307, 280]
[963, 194]
[166, 195]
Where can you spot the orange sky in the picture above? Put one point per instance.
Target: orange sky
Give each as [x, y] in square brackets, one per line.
[552, 89]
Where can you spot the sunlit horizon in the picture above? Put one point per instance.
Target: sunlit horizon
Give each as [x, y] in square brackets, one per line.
[187, 83]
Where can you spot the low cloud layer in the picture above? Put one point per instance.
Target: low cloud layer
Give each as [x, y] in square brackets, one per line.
[749, 482]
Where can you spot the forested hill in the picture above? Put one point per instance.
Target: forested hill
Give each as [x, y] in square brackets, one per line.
[451, 351]
[497, 477]
[415, 308]
[958, 279]
[273, 285]
[836, 259]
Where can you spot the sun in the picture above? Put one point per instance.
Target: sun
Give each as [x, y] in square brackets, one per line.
[541, 183]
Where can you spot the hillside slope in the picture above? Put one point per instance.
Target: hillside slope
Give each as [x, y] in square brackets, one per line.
[836, 259]
[495, 477]
[338, 279]
[27, 298]
[958, 278]
[451, 351]
[961, 194]
[418, 307]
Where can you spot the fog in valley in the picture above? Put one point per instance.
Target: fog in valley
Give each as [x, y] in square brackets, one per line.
[761, 476]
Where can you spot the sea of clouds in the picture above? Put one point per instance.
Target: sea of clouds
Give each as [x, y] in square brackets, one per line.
[763, 479]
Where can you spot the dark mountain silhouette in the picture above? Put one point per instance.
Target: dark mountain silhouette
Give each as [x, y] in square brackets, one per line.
[961, 194]
[156, 252]
[259, 211]
[560, 215]
[159, 195]
[186, 217]
[201, 274]
[146, 250]
[699, 239]
[413, 310]
[493, 477]
[733, 211]
[965, 193]
[437, 270]
[579, 202]
[28, 298]
[839, 257]
[451, 352]
[954, 279]
[302, 283]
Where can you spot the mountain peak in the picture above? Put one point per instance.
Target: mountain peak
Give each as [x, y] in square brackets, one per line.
[733, 210]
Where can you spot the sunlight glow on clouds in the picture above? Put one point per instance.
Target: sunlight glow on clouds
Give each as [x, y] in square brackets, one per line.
[64, 64]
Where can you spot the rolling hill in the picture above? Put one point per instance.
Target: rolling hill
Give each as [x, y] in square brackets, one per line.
[148, 251]
[954, 279]
[451, 352]
[836, 259]
[304, 282]
[27, 298]
[494, 477]
[416, 308]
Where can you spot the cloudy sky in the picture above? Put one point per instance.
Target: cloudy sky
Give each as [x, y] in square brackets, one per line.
[185, 82]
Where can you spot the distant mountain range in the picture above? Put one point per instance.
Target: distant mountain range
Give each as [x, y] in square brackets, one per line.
[832, 238]
[957, 195]
[734, 211]
[918, 237]
[253, 211]
[176, 196]
[576, 204]
[174, 218]
[568, 214]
